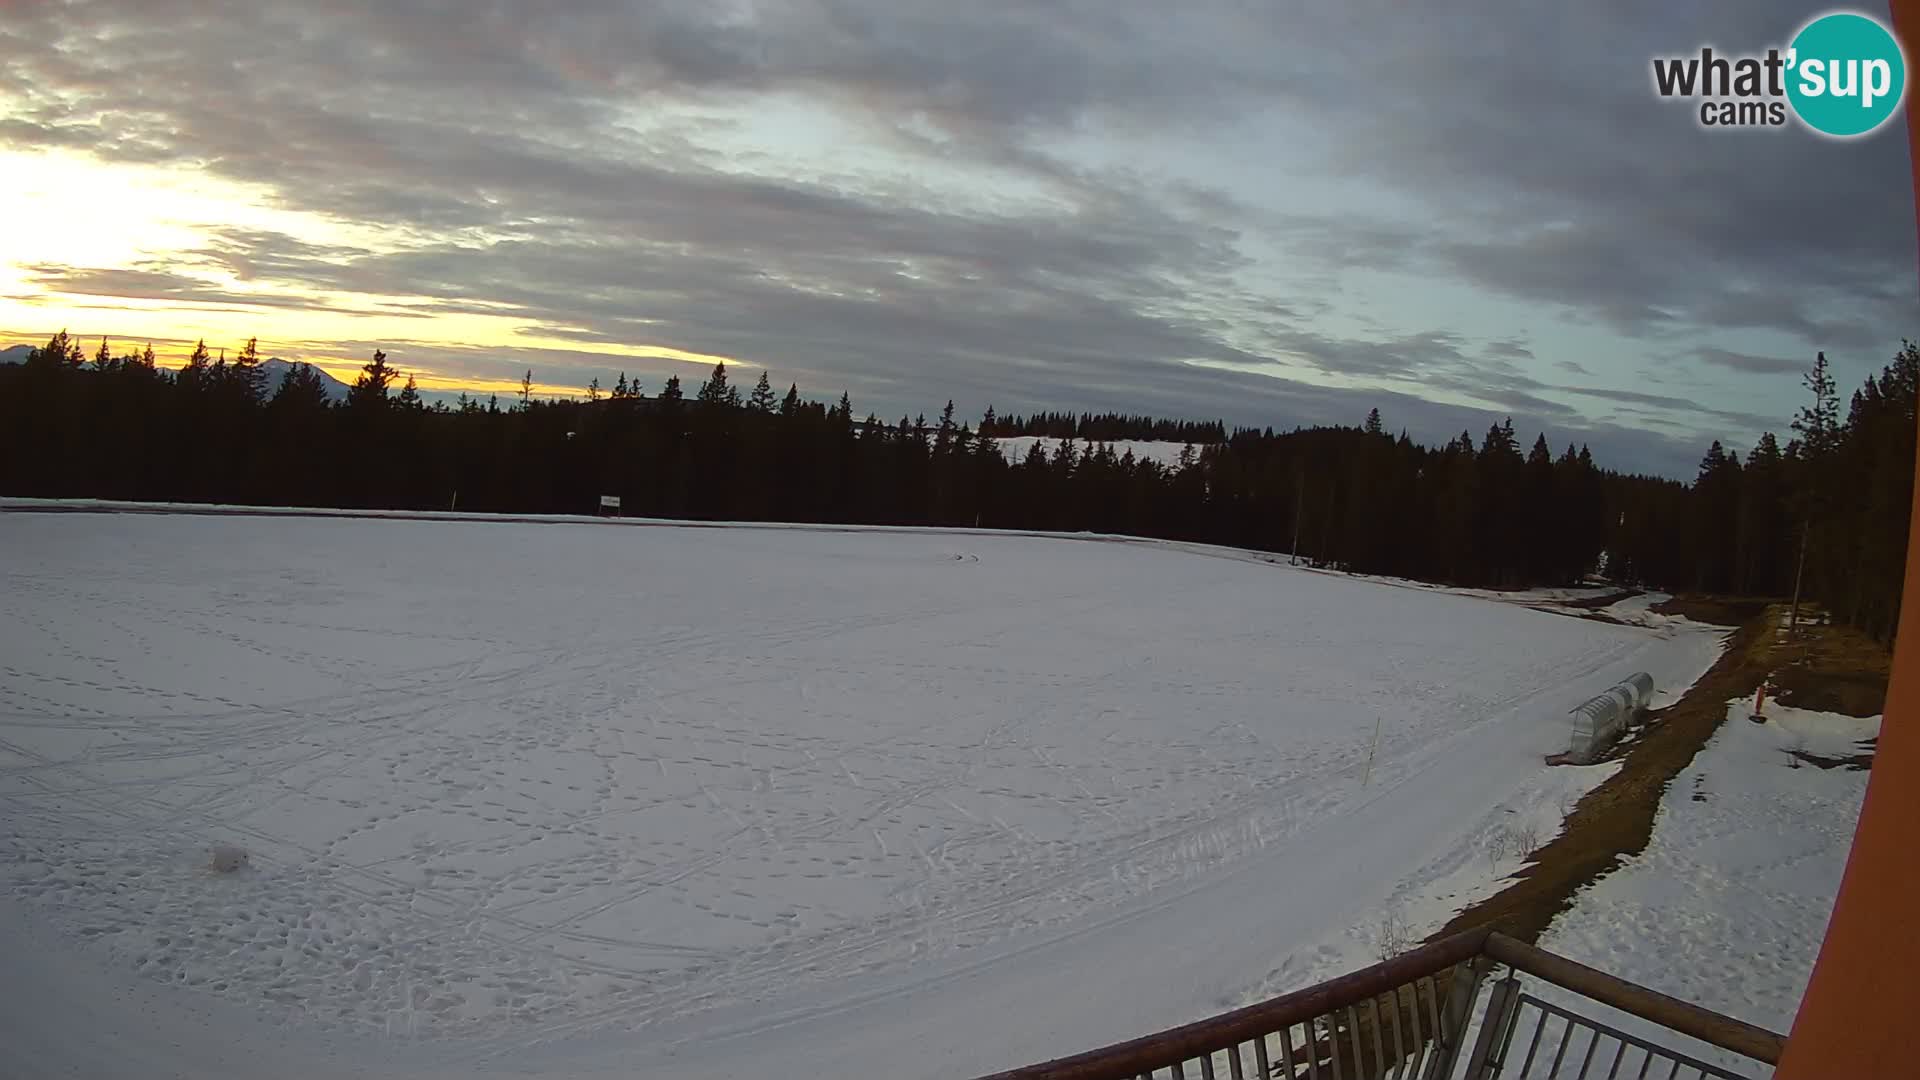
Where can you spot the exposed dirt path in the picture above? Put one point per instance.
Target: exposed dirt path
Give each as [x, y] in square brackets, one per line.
[1616, 818]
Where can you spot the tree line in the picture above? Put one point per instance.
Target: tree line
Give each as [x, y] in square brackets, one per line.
[1827, 512]
[1103, 427]
[1828, 508]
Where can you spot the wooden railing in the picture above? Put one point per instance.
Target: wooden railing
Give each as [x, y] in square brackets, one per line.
[1410, 1017]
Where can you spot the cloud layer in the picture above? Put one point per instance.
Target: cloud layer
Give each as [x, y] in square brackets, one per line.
[1276, 214]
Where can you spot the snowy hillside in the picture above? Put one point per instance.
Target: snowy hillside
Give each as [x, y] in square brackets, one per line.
[15, 354]
[1165, 453]
[276, 369]
[593, 800]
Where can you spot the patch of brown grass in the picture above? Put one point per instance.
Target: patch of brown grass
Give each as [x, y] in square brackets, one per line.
[1834, 669]
[1616, 818]
[1830, 668]
[1717, 610]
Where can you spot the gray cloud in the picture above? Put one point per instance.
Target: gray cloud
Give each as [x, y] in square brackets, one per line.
[144, 284]
[581, 167]
[1749, 363]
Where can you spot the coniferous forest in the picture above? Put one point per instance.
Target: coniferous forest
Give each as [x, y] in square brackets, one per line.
[1829, 505]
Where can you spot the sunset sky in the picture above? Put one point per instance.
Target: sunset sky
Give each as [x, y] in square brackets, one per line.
[1270, 213]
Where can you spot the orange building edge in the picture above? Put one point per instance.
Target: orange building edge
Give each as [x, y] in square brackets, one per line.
[1858, 1015]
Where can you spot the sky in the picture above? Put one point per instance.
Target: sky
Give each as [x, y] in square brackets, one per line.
[1267, 213]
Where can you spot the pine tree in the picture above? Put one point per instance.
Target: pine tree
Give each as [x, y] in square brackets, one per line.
[593, 389]
[762, 400]
[943, 436]
[621, 391]
[1818, 424]
[1373, 422]
[1817, 478]
[369, 391]
[248, 381]
[671, 392]
[713, 393]
[103, 359]
[60, 351]
[526, 391]
[300, 391]
[791, 403]
[1764, 521]
[197, 374]
[410, 397]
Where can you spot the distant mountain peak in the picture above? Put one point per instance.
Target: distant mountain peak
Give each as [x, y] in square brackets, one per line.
[276, 369]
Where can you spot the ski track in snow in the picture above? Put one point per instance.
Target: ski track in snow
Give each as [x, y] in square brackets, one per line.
[508, 784]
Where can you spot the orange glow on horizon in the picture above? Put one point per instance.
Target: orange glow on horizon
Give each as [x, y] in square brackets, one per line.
[133, 253]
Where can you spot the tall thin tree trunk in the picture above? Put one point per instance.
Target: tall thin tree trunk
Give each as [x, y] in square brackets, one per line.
[1299, 504]
[1799, 568]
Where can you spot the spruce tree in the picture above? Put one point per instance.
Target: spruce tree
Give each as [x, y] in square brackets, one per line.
[791, 403]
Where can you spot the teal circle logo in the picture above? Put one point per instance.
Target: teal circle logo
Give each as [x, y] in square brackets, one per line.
[1846, 74]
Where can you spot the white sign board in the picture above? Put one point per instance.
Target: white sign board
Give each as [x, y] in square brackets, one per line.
[609, 502]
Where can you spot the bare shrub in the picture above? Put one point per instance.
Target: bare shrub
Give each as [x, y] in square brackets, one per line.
[1525, 838]
[1496, 846]
[1390, 935]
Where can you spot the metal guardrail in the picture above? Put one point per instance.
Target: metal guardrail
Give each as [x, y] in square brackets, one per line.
[1582, 1039]
[1407, 1019]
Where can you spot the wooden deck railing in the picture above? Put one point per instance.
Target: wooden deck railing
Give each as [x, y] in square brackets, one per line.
[1409, 1018]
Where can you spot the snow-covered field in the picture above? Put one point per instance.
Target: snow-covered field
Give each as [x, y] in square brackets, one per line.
[582, 800]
